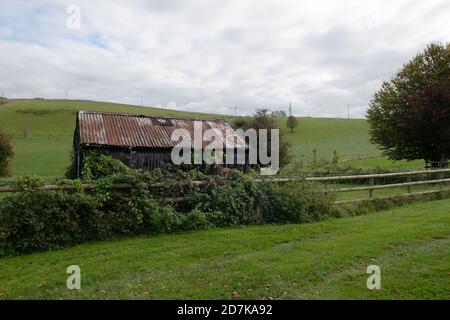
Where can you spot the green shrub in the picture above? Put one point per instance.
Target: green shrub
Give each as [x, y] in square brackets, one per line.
[39, 220]
[233, 199]
[6, 153]
[165, 220]
[28, 182]
[244, 201]
[34, 220]
[219, 219]
[195, 220]
[294, 202]
[96, 165]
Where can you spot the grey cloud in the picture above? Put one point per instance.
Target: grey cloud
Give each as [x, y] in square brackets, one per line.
[213, 55]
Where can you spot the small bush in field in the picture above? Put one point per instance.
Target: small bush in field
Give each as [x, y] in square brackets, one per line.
[6, 154]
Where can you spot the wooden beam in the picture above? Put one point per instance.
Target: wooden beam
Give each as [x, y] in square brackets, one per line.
[392, 185]
[391, 197]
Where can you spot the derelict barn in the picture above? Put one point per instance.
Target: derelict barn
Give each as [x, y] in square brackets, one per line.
[141, 142]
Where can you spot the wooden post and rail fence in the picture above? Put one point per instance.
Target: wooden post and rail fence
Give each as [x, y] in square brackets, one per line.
[370, 187]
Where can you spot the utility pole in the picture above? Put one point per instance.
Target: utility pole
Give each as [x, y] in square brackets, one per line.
[67, 94]
[348, 112]
[290, 109]
[142, 100]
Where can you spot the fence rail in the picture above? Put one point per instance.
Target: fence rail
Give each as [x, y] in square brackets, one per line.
[371, 187]
[418, 193]
[360, 176]
[392, 185]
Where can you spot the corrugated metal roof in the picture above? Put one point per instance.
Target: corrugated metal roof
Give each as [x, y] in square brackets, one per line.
[128, 130]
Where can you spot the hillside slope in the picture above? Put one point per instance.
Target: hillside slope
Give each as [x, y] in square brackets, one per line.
[325, 260]
[43, 132]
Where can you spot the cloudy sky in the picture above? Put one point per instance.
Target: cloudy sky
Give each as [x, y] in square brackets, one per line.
[213, 55]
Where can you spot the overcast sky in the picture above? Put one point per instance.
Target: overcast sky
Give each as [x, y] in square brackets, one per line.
[212, 55]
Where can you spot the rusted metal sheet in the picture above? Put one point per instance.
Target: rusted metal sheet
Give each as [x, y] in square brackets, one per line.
[128, 130]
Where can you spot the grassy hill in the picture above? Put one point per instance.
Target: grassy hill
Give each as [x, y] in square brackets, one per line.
[43, 130]
[350, 138]
[43, 133]
[325, 260]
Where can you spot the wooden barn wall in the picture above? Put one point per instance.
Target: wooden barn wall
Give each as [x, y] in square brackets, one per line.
[148, 159]
[139, 159]
[142, 159]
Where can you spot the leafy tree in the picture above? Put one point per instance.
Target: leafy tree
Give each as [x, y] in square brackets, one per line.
[6, 154]
[262, 120]
[409, 116]
[292, 123]
[279, 113]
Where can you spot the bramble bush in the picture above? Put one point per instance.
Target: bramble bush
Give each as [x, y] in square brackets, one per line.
[97, 165]
[6, 153]
[36, 220]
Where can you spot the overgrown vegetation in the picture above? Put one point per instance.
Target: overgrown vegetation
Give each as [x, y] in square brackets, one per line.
[6, 154]
[97, 165]
[35, 220]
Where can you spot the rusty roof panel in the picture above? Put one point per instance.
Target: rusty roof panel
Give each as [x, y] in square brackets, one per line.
[128, 130]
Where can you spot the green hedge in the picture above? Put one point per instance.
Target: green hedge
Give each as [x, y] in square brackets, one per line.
[35, 220]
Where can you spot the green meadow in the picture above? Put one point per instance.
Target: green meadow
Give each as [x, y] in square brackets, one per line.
[43, 134]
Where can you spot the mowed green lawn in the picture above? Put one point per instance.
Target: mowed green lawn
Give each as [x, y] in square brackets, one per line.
[43, 134]
[325, 260]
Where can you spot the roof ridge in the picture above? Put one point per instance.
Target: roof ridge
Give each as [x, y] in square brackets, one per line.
[149, 116]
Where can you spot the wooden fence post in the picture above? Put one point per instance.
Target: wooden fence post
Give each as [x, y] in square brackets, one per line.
[371, 183]
[409, 186]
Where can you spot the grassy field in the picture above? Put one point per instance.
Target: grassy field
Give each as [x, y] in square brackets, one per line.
[350, 139]
[43, 133]
[325, 260]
